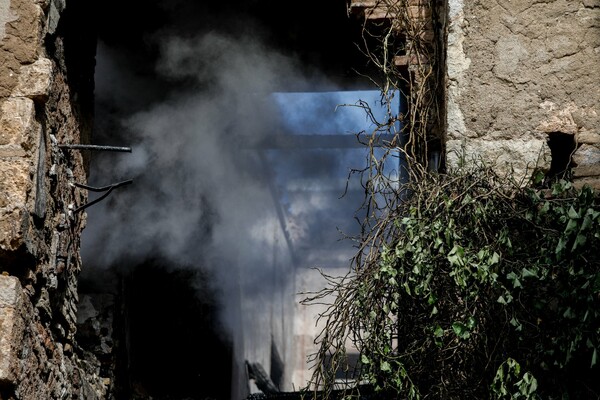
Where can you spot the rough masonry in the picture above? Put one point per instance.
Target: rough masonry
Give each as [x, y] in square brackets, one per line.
[523, 78]
[46, 85]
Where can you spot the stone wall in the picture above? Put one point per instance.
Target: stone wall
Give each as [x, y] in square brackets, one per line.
[46, 83]
[523, 85]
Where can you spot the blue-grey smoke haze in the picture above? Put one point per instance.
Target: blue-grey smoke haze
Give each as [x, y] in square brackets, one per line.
[202, 196]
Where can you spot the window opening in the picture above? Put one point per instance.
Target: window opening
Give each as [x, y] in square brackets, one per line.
[562, 146]
[314, 149]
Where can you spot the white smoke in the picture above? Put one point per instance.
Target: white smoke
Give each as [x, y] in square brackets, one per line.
[200, 195]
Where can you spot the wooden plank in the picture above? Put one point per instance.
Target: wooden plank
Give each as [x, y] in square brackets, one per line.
[419, 12]
[410, 60]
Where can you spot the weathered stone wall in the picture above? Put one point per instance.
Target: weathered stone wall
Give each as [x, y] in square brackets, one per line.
[44, 91]
[519, 73]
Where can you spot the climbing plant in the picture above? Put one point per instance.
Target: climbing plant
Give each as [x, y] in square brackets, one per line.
[472, 287]
[465, 284]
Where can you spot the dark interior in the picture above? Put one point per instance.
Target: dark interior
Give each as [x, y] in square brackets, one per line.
[323, 36]
[175, 348]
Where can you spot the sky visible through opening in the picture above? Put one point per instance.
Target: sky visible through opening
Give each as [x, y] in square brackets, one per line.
[321, 190]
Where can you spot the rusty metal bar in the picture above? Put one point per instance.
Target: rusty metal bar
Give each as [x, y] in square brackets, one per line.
[94, 147]
[106, 189]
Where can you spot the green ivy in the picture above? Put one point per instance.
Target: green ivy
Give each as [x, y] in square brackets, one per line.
[473, 281]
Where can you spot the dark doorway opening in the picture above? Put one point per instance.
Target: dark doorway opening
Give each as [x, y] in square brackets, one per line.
[175, 347]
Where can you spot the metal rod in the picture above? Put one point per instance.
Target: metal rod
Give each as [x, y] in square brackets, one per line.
[103, 188]
[108, 189]
[94, 147]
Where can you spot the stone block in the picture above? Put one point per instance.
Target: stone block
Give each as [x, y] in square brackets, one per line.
[15, 183]
[593, 183]
[510, 56]
[11, 327]
[378, 13]
[587, 161]
[35, 80]
[519, 156]
[18, 125]
[413, 59]
[557, 120]
[23, 35]
[6, 16]
[56, 8]
[588, 137]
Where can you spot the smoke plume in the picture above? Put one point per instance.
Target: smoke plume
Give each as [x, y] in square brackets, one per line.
[202, 195]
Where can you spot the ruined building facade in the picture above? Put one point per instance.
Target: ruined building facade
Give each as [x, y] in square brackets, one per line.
[521, 89]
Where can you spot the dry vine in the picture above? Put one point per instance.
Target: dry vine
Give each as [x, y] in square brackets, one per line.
[456, 276]
[416, 134]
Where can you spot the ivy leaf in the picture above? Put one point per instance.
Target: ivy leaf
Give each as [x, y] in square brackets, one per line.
[495, 258]
[527, 273]
[431, 299]
[461, 330]
[455, 256]
[385, 366]
[527, 385]
[587, 222]
[579, 241]
[517, 324]
[471, 322]
[571, 226]
[569, 313]
[506, 300]
[515, 280]
[562, 243]
[572, 213]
